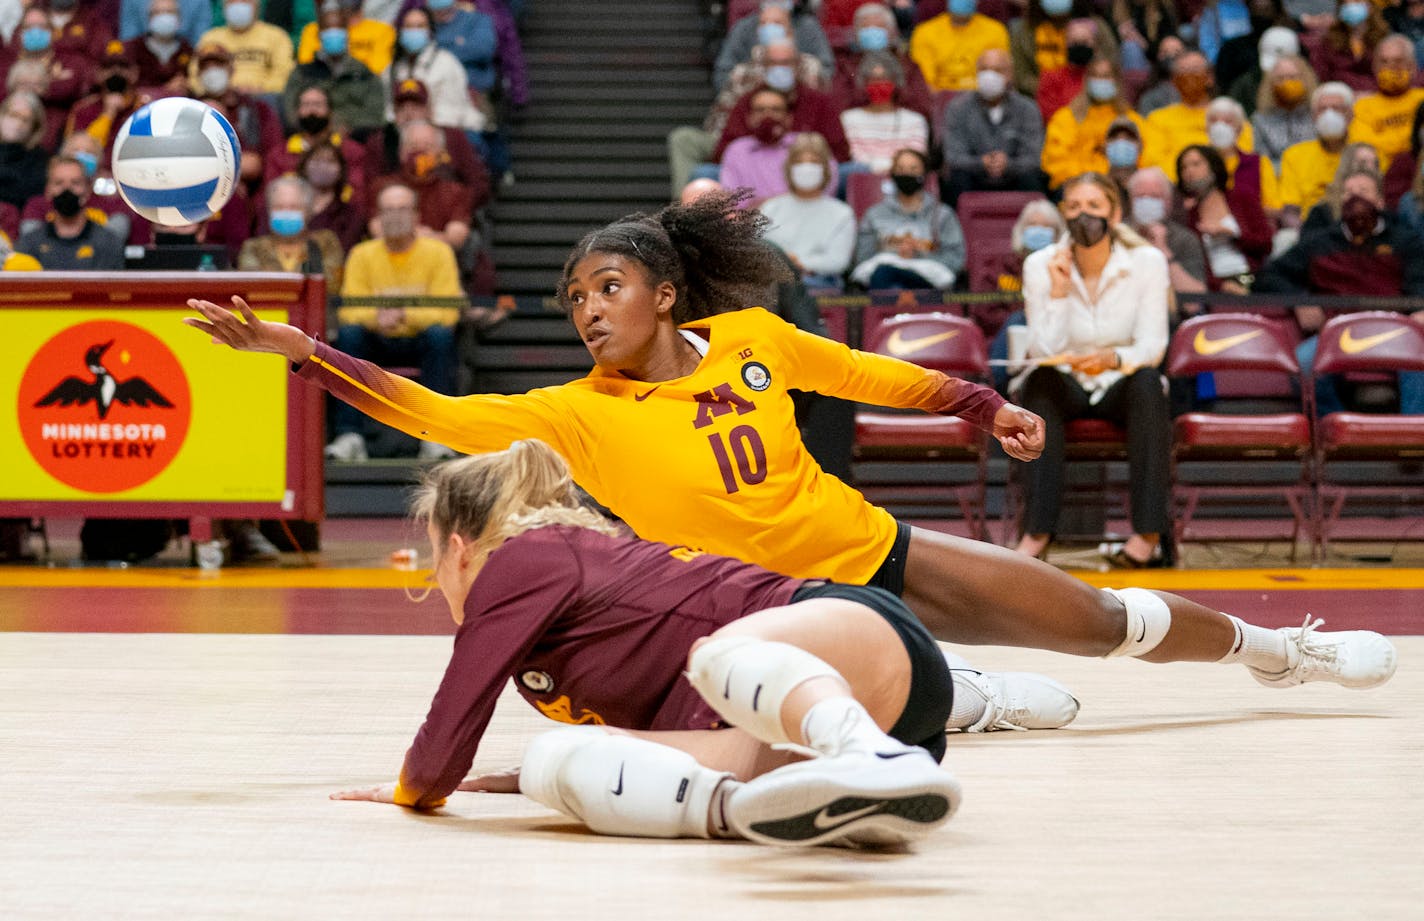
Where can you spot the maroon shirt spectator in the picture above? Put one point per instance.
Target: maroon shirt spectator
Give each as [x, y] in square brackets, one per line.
[335, 205]
[171, 74]
[440, 197]
[412, 103]
[915, 94]
[810, 111]
[1332, 57]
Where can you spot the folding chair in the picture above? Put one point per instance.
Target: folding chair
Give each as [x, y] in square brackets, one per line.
[987, 219]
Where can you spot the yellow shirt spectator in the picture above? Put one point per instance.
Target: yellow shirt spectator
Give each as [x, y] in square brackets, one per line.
[948, 55]
[1071, 147]
[1177, 127]
[1270, 186]
[370, 41]
[1306, 169]
[1384, 122]
[427, 269]
[261, 57]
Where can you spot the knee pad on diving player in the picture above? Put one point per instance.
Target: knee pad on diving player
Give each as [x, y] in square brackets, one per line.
[1148, 620]
[746, 680]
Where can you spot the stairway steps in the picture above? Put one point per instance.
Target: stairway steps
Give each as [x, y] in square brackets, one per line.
[585, 214]
[527, 151]
[621, 94]
[548, 255]
[613, 190]
[537, 281]
[628, 113]
[596, 82]
[592, 169]
[651, 59]
[546, 130]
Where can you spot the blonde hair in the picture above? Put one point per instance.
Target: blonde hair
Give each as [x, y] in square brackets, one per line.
[807, 142]
[1121, 233]
[489, 498]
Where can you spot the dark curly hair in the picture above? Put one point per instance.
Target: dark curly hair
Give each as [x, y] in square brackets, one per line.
[711, 250]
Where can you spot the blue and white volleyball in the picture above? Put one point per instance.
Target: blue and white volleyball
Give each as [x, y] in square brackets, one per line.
[176, 161]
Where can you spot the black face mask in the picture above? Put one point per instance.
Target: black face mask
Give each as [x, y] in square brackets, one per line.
[1080, 55]
[1360, 217]
[1088, 229]
[313, 124]
[67, 203]
[908, 183]
[116, 83]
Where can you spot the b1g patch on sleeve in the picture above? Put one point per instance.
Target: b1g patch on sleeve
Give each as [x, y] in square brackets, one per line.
[756, 376]
[537, 682]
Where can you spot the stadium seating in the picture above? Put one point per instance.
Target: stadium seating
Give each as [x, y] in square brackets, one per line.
[987, 219]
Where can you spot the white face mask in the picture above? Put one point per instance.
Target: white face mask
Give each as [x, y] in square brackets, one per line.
[806, 177]
[991, 84]
[1222, 135]
[1148, 210]
[214, 80]
[1331, 124]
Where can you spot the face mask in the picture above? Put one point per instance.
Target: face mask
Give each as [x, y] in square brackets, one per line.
[1289, 92]
[770, 32]
[806, 177]
[872, 38]
[13, 130]
[313, 124]
[1393, 80]
[323, 175]
[1196, 188]
[440, 6]
[35, 39]
[1080, 55]
[240, 15]
[781, 77]
[1192, 87]
[414, 40]
[287, 223]
[163, 25]
[1221, 135]
[67, 203]
[1331, 125]
[1360, 216]
[1102, 89]
[991, 84]
[214, 80]
[333, 42]
[1088, 229]
[397, 226]
[908, 183]
[1148, 210]
[963, 8]
[1056, 7]
[880, 92]
[1122, 153]
[89, 161]
[769, 130]
[1352, 14]
[116, 83]
[1036, 237]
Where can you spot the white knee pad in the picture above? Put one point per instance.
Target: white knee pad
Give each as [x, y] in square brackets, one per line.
[1148, 620]
[619, 785]
[746, 681]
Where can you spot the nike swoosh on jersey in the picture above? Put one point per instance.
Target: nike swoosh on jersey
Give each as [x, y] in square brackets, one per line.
[823, 822]
[899, 345]
[1205, 346]
[1352, 346]
[618, 790]
[640, 397]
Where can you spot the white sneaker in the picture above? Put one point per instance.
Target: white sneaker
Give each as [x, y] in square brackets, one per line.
[1351, 658]
[349, 447]
[1015, 700]
[431, 451]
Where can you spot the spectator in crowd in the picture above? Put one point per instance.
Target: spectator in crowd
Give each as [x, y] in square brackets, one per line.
[1250, 176]
[1407, 18]
[1160, 92]
[814, 229]
[1076, 138]
[258, 126]
[1099, 301]
[1153, 210]
[417, 57]
[947, 47]
[1383, 119]
[1355, 158]
[1038, 40]
[314, 128]
[1364, 252]
[262, 58]
[69, 240]
[1404, 168]
[1282, 111]
[81, 28]
[1039, 225]
[61, 76]
[1057, 86]
[100, 114]
[910, 239]
[757, 160]
[411, 102]
[1274, 43]
[369, 40]
[775, 20]
[1311, 15]
[883, 125]
[483, 36]
[1141, 26]
[993, 137]
[292, 245]
[444, 205]
[22, 154]
[32, 77]
[1123, 150]
[877, 33]
[335, 205]
[193, 18]
[162, 51]
[1346, 51]
[400, 263]
[1219, 22]
[1233, 227]
[356, 95]
[809, 109]
[1309, 166]
[104, 207]
[1171, 129]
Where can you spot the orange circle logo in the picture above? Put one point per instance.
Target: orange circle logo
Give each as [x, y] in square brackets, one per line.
[104, 406]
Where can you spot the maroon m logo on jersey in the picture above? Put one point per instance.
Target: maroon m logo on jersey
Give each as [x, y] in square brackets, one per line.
[719, 401]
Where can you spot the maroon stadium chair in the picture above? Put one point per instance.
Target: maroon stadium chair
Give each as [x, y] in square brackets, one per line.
[738, 9]
[910, 457]
[1240, 450]
[938, 102]
[987, 219]
[836, 322]
[1349, 444]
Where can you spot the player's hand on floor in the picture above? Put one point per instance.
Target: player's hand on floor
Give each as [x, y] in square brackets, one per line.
[506, 781]
[241, 329]
[383, 793]
[1019, 431]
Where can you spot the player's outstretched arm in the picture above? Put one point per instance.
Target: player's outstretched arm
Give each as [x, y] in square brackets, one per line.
[241, 329]
[382, 793]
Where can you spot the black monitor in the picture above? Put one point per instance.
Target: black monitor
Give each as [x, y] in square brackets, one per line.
[178, 257]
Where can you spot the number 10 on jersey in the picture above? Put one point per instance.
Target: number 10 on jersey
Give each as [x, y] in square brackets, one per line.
[741, 458]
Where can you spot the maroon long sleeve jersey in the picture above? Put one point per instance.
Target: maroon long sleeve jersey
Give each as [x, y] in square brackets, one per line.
[593, 629]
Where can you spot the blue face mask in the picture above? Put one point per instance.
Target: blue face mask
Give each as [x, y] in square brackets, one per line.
[769, 32]
[333, 42]
[1102, 89]
[240, 15]
[35, 38]
[1352, 14]
[781, 78]
[962, 8]
[287, 223]
[163, 25]
[414, 40]
[1036, 237]
[88, 161]
[1056, 7]
[1122, 153]
[872, 38]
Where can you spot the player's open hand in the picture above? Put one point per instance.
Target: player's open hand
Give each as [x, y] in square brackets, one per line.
[241, 329]
[1019, 431]
[383, 793]
[506, 781]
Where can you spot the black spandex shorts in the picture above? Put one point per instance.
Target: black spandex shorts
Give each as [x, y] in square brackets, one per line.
[891, 574]
[931, 688]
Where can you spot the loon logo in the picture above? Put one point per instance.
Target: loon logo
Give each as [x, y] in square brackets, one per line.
[114, 428]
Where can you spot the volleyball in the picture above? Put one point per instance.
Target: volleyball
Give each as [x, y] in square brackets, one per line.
[175, 161]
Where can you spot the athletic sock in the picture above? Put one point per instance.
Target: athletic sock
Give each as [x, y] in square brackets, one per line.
[838, 724]
[1257, 647]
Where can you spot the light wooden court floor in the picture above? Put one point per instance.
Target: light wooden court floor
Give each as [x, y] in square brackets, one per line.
[185, 777]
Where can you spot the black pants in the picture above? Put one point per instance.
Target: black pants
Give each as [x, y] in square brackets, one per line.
[1138, 404]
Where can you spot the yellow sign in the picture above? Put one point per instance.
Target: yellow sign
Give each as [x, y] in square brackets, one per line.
[132, 405]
